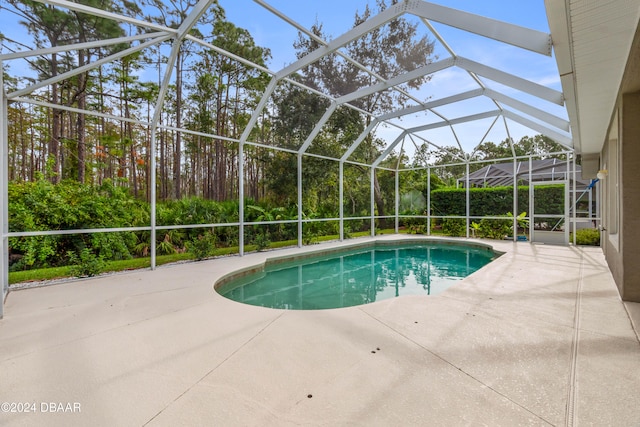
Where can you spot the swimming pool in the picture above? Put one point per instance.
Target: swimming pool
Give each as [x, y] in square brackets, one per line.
[357, 276]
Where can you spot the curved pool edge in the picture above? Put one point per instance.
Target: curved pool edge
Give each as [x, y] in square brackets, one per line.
[310, 252]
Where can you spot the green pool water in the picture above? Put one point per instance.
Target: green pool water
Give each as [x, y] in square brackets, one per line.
[357, 277]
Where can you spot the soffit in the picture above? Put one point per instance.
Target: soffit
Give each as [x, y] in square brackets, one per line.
[592, 41]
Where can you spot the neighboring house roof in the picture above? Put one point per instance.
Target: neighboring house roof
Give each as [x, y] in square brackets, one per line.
[500, 174]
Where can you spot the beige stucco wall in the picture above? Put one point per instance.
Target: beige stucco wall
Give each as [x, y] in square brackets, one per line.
[630, 195]
[621, 189]
[609, 241]
[621, 196]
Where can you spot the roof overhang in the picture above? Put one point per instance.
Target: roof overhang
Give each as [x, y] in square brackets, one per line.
[592, 43]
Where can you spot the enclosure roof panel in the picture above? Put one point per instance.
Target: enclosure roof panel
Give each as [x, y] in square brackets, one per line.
[509, 94]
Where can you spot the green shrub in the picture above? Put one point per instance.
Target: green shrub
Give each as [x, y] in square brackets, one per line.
[418, 229]
[166, 245]
[494, 228]
[203, 245]
[262, 241]
[310, 238]
[87, 264]
[414, 225]
[588, 236]
[41, 205]
[454, 227]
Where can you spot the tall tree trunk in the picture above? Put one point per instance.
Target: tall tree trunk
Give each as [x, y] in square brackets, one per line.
[150, 151]
[23, 144]
[220, 165]
[103, 123]
[128, 129]
[209, 172]
[81, 122]
[134, 159]
[163, 168]
[56, 127]
[178, 147]
[32, 160]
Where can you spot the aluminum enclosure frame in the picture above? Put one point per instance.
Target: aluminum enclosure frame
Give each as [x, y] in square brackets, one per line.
[541, 121]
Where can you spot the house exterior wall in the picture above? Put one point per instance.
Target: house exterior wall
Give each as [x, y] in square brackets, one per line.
[610, 238]
[630, 195]
[621, 189]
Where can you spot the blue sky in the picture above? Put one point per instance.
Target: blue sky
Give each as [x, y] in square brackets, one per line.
[337, 17]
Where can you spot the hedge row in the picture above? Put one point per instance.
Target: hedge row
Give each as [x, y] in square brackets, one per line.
[549, 199]
[40, 205]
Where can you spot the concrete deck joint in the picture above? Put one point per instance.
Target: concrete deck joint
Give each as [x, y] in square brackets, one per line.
[460, 369]
[634, 317]
[217, 366]
[571, 398]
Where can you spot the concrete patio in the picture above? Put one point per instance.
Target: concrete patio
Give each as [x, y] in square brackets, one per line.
[538, 337]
